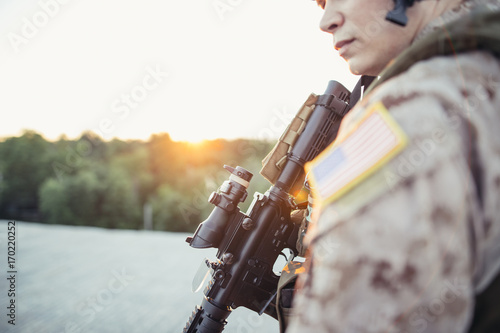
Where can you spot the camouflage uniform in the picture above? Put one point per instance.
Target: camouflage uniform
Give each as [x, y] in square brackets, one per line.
[408, 247]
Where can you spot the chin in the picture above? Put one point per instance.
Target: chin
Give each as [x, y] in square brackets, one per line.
[358, 67]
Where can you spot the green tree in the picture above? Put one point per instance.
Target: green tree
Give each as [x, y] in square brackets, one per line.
[89, 181]
[120, 202]
[134, 163]
[24, 166]
[171, 210]
[74, 201]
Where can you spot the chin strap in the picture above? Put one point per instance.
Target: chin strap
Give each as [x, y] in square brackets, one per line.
[360, 87]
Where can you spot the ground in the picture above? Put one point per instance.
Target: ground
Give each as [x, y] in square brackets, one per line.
[83, 279]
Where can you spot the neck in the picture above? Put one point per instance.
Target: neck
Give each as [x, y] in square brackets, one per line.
[431, 10]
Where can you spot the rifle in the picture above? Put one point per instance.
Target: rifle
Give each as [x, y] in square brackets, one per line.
[250, 243]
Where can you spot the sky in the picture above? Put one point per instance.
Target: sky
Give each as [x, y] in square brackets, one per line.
[201, 69]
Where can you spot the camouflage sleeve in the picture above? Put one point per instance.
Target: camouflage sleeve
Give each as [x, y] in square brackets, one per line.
[397, 252]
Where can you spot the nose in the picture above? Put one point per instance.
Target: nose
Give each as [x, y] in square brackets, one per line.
[332, 19]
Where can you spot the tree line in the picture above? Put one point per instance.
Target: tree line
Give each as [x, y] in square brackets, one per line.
[92, 182]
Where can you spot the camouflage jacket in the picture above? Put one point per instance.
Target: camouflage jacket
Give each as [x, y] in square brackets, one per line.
[414, 233]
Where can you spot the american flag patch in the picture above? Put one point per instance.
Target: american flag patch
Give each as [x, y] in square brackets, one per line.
[373, 141]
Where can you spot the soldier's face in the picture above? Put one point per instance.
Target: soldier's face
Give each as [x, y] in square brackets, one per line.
[362, 35]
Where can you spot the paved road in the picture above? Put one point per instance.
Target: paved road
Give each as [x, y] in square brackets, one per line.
[82, 279]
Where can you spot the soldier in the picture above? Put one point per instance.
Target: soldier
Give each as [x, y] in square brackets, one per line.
[406, 233]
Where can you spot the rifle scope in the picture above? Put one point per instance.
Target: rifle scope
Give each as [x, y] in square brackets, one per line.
[226, 200]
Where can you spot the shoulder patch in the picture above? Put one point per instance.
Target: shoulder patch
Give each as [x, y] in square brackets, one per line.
[360, 149]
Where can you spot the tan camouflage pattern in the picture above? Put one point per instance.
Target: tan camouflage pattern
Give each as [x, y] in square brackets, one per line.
[408, 248]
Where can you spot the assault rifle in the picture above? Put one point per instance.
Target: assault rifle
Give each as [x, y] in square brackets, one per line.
[249, 243]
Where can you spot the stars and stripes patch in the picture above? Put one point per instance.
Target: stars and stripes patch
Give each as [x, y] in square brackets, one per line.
[368, 144]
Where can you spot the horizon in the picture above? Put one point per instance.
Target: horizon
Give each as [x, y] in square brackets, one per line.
[79, 137]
